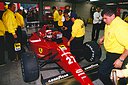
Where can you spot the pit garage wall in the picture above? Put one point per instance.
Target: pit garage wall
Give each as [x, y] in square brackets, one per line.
[82, 9]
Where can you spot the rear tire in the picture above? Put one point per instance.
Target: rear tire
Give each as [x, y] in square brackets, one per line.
[29, 66]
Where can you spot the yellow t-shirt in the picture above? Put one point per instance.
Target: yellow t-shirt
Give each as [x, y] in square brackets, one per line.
[60, 22]
[20, 19]
[116, 36]
[56, 16]
[9, 21]
[2, 28]
[78, 28]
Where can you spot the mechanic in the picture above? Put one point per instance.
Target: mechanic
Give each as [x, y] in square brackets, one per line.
[55, 16]
[69, 10]
[60, 20]
[116, 45]
[97, 18]
[2, 43]
[67, 26]
[77, 37]
[10, 23]
[20, 22]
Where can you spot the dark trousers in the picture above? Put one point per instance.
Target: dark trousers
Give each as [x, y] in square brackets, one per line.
[20, 40]
[67, 34]
[19, 34]
[95, 31]
[55, 23]
[106, 68]
[22, 36]
[2, 50]
[76, 47]
[10, 45]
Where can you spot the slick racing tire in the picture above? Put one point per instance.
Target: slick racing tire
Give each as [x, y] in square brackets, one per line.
[92, 51]
[29, 67]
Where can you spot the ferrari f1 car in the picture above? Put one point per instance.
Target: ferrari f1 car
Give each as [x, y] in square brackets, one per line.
[49, 46]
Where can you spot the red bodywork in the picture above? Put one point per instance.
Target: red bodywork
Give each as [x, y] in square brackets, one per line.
[42, 47]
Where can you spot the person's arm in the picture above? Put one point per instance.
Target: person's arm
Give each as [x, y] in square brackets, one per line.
[70, 40]
[101, 40]
[22, 21]
[2, 30]
[121, 36]
[118, 63]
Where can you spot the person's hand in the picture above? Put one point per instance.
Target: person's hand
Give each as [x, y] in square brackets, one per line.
[68, 43]
[65, 28]
[101, 40]
[15, 36]
[117, 63]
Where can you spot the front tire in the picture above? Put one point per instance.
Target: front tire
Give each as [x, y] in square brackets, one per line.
[29, 67]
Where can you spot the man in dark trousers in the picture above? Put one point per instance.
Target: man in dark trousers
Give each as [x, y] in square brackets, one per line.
[77, 36]
[115, 42]
[10, 23]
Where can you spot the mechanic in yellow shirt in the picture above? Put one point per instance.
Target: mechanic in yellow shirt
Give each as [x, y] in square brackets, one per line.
[10, 23]
[2, 43]
[77, 36]
[19, 18]
[20, 22]
[115, 42]
[55, 16]
[61, 18]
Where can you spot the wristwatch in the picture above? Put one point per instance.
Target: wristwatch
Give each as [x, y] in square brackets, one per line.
[121, 60]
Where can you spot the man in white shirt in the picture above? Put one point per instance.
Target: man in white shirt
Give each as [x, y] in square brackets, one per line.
[97, 18]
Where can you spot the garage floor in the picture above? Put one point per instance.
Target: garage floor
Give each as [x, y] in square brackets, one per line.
[10, 74]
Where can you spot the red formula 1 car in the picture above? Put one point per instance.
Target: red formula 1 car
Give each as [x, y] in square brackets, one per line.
[49, 46]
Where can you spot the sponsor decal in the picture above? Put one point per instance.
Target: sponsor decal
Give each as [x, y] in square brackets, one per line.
[81, 73]
[62, 47]
[91, 66]
[17, 46]
[92, 58]
[58, 78]
[40, 50]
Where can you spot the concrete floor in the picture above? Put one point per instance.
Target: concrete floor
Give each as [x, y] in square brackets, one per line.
[10, 74]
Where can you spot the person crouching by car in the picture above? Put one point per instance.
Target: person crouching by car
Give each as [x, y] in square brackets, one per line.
[77, 36]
